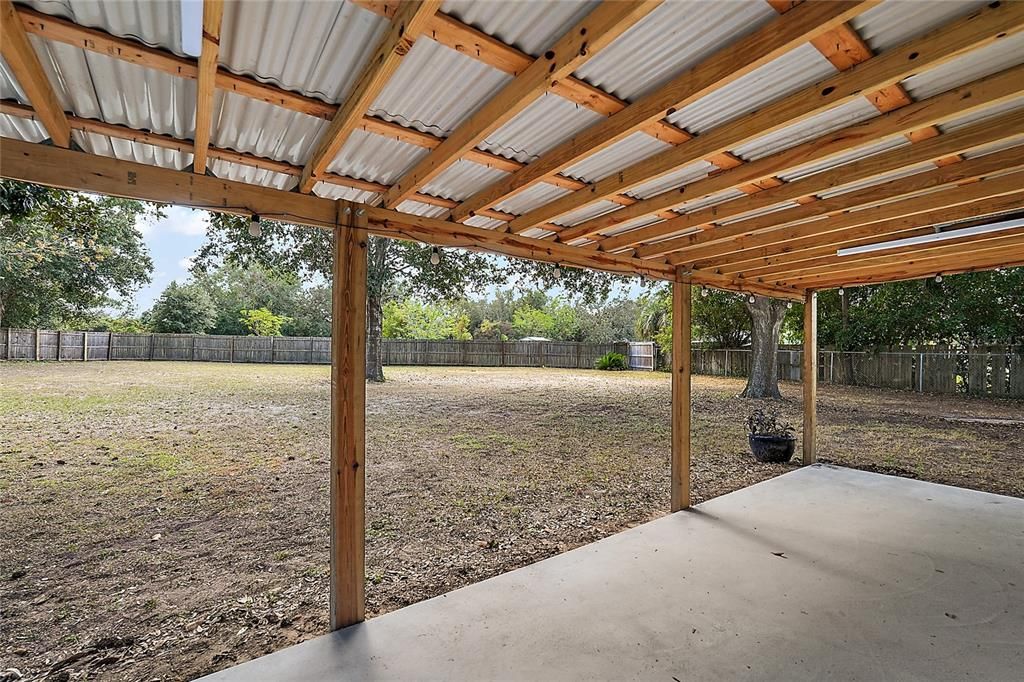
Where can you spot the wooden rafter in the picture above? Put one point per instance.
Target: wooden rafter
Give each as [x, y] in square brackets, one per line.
[206, 79]
[601, 26]
[780, 256]
[961, 101]
[1005, 127]
[981, 28]
[818, 232]
[24, 63]
[408, 23]
[720, 69]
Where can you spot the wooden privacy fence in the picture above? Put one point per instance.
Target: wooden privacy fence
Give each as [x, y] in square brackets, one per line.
[996, 370]
[33, 344]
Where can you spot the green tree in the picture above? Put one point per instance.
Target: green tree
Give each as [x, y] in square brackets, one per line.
[414, 319]
[613, 321]
[65, 254]
[235, 290]
[393, 267]
[183, 309]
[311, 315]
[262, 322]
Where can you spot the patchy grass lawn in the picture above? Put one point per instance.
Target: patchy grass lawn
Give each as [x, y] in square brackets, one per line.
[163, 520]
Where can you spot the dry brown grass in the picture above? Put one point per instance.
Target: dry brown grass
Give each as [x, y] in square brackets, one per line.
[161, 520]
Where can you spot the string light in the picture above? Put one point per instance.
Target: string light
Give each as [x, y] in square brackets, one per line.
[558, 271]
[255, 229]
[435, 256]
[704, 291]
[752, 299]
[789, 305]
[938, 279]
[842, 291]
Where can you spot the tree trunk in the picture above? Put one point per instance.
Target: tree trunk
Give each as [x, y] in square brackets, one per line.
[376, 278]
[374, 323]
[766, 323]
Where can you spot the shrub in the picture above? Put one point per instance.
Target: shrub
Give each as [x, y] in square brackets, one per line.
[611, 361]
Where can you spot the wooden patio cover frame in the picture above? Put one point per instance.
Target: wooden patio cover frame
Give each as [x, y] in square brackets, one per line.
[788, 254]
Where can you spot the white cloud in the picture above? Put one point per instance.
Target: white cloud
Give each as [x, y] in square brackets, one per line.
[186, 263]
[190, 223]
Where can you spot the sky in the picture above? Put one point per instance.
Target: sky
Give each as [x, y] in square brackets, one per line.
[174, 240]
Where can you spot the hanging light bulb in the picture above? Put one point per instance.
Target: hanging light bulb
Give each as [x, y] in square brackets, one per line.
[842, 291]
[435, 256]
[255, 229]
[558, 271]
[938, 278]
[751, 299]
[704, 291]
[789, 305]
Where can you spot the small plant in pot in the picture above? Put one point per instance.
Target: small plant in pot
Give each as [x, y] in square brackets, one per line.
[771, 439]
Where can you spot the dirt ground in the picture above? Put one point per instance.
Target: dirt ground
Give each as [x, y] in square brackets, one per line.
[164, 520]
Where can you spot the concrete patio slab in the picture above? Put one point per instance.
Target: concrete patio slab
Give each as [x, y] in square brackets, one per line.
[823, 573]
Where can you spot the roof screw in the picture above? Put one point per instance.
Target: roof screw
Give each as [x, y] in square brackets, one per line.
[348, 209]
[361, 211]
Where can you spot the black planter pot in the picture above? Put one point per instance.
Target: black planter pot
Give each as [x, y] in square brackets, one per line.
[772, 448]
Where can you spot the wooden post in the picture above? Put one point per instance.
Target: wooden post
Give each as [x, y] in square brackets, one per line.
[193, 348]
[59, 337]
[231, 353]
[37, 358]
[348, 414]
[681, 361]
[85, 346]
[110, 346]
[810, 375]
[8, 346]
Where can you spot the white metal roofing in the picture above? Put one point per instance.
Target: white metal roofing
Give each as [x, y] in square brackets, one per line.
[318, 49]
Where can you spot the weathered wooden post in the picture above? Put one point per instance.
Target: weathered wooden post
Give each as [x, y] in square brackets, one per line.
[681, 367]
[348, 415]
[85, 346]
[60, 335]
[810, 376]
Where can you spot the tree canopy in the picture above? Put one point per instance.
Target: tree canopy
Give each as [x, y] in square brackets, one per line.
[183, 309]
[64, 255]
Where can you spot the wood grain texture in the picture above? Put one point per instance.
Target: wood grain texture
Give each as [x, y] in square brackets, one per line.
[681, 398]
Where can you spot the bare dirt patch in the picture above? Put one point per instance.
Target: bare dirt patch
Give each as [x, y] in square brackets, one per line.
[164, 520]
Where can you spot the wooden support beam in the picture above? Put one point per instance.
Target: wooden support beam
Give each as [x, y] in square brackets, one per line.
[1006, 127]
[809, 377]
[985, 26]
[213, 10]
[57, 167]
[24, 63]
[409, 22]
[725, 252]
[962, 101]
[589, 36]
[722, 68]
[681, 366]
[348, 417]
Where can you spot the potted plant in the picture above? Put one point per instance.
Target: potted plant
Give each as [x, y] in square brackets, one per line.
[771, 439]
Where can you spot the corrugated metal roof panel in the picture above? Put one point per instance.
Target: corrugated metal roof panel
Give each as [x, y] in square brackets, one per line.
[530, 198]
[977, 116]
[710, 200]
[795, 69]
[844, 158]
[537, 233]
[586, 213]
[316, 48]
[127, 94]
[9, 88]
[880, 180]
[827, 121]
[157, 24]
[376, 158]
[689, 32]
[894, 22]
[546, 122]
[253, 176]
[436, 88]
[249, 125]
[625, 152]
[22, 129]
[758, 212]
[642, 221]
[417, 208]
[485, 223]
[131, 151]
[674, 180]
[462, 180]
[975, 64]
[995, 147]
[332, 191]
[530, 26]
